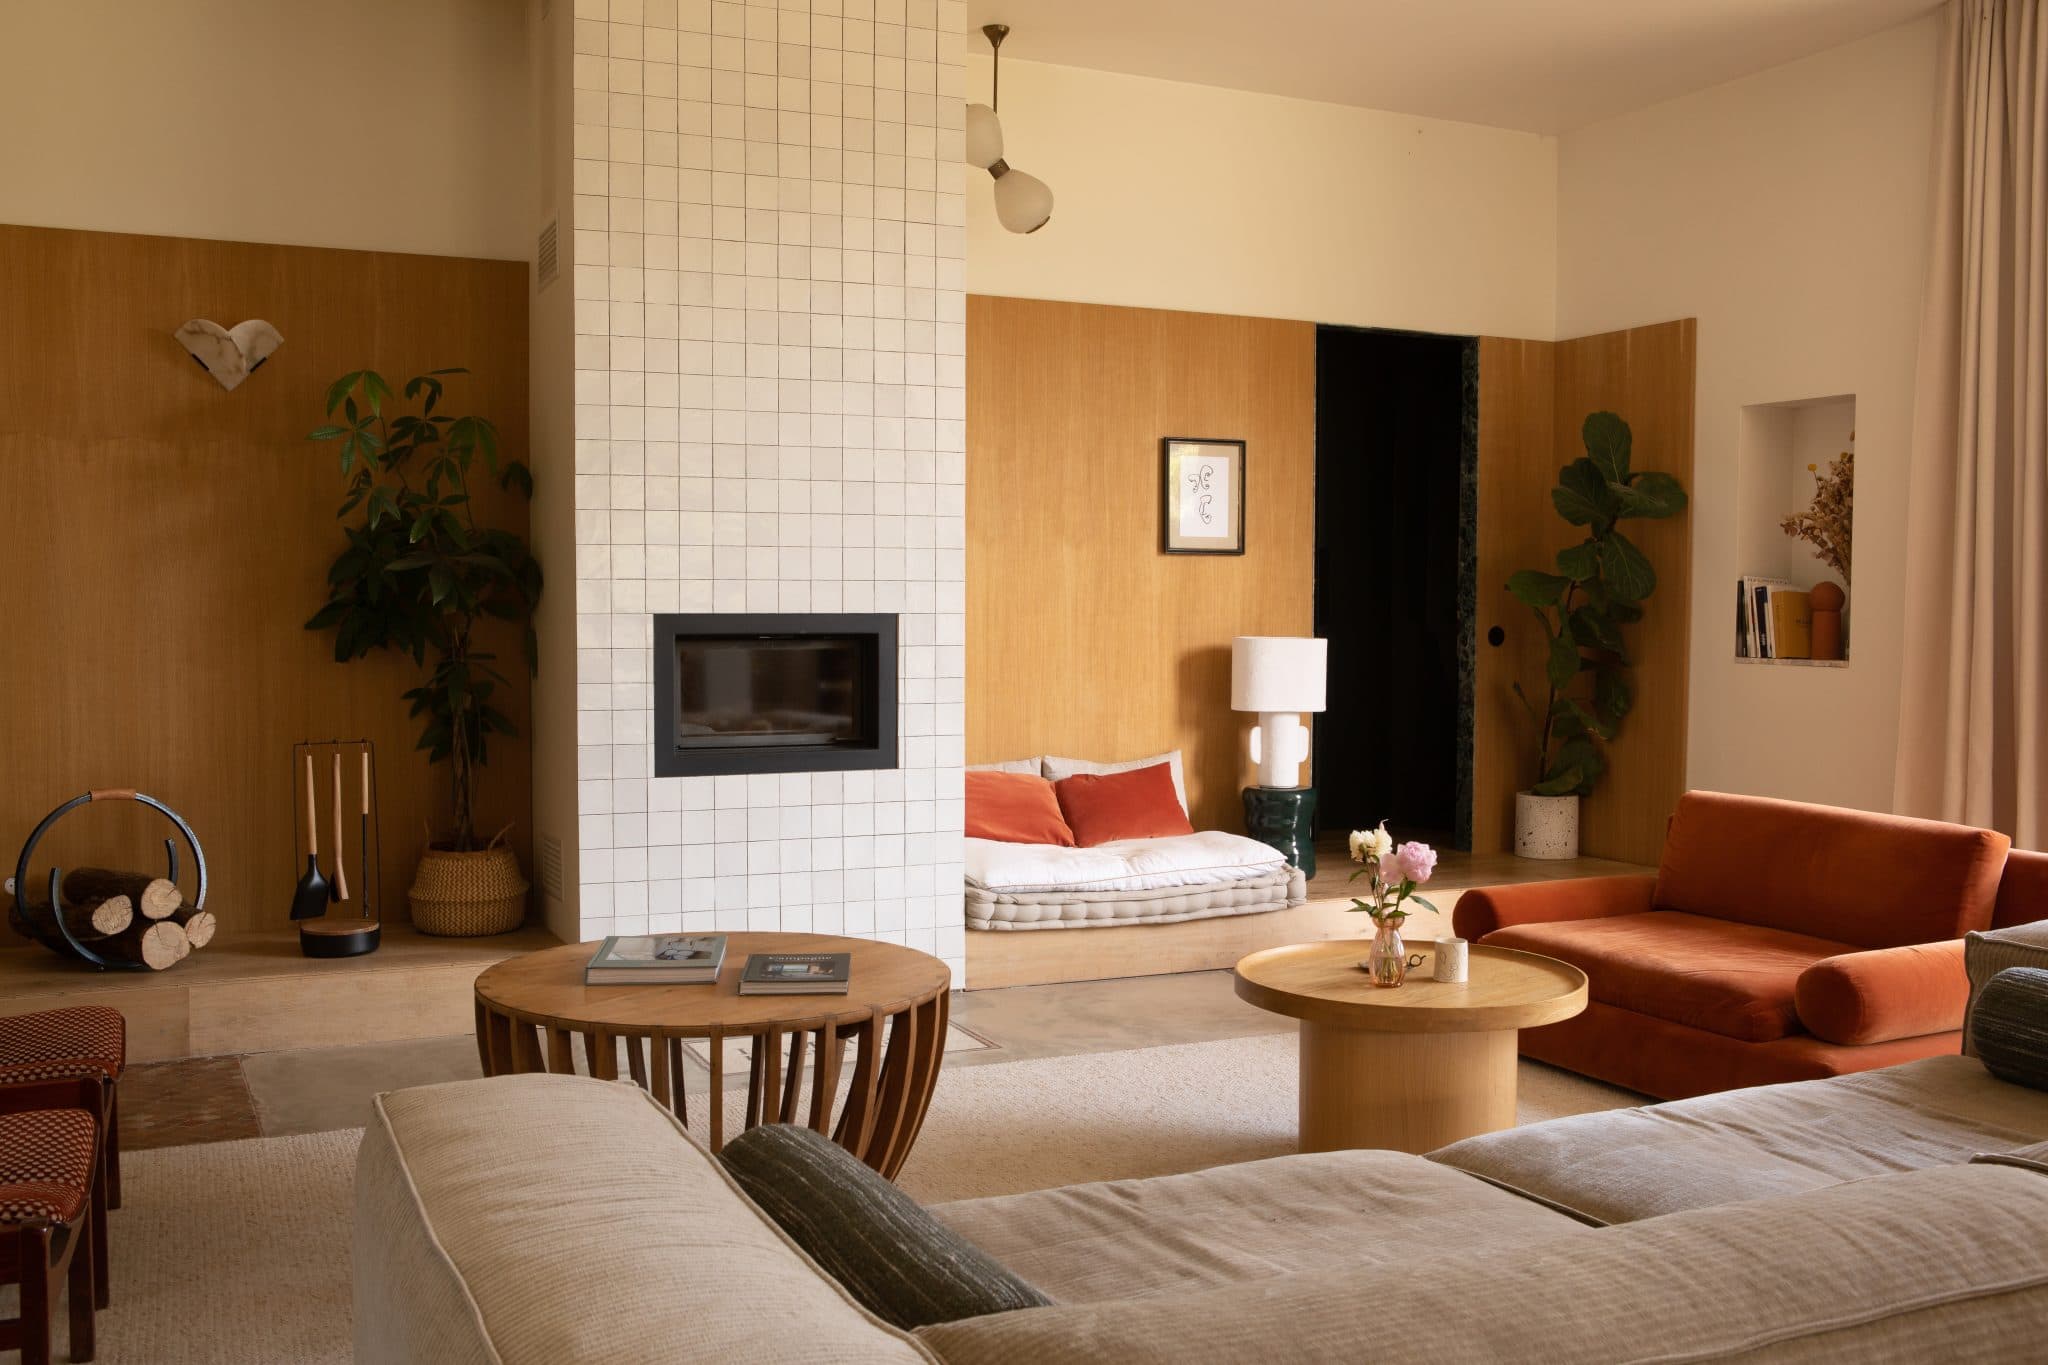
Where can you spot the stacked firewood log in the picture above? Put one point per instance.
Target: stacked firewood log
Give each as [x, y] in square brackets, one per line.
[120, 916]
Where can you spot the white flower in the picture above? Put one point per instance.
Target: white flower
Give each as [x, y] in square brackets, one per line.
[1374, 844]
[1357, 845]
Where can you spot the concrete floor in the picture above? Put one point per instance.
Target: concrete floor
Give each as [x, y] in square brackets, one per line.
[312, 1090]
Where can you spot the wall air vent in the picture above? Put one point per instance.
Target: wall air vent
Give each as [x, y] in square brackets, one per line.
[546, 261]
[551, 866]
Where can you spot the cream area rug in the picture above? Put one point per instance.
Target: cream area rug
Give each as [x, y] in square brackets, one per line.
[239, 1252]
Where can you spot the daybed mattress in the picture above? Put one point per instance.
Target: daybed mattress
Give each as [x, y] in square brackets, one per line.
[1205, 858]
[1272, 890]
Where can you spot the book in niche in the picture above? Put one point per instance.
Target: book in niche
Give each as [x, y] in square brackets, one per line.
[1791, 623]
[656, 960]
[796, 974]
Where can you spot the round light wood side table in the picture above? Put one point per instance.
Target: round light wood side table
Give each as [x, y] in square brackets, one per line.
[1413, 1067]
[886, 1037]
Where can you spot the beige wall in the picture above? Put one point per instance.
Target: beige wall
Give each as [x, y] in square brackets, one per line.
[1189, 197]
[393, 125]
[1788, 212]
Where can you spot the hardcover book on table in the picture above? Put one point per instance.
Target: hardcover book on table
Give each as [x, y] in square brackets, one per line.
[797, 974]
[656, 960]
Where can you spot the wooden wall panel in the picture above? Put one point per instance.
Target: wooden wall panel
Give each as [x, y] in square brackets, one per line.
[1082, 638]
[1646, 375]
[1533, 397]
[162, 541]
[1517, 530]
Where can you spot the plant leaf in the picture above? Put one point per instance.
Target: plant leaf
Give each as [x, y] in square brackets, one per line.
[1626, 571]
[1563, 663]
[1592, 628]
[1537, 589]
[1611, 696]
[1581, 496]
[1652, 493]
[338, 390]
[1579, 562]
[1608, 441]
[1587, 721]
[1565, 782]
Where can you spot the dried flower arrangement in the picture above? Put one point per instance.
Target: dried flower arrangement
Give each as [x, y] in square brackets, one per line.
[1826, 523]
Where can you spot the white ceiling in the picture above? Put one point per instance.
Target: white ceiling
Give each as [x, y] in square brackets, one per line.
[1545, 66]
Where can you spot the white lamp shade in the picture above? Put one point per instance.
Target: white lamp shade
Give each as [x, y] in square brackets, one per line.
[1278, 673]
[1023, 202]
[984, 136]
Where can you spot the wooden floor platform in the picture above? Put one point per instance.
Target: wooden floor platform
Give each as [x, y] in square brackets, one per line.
[1033, 957]
[258, 993]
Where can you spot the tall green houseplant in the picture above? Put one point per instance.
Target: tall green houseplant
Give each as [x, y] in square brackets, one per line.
[420, 573]
[1599, 587]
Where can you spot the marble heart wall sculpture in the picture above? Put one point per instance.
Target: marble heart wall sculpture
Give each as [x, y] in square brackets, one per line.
[229, 354]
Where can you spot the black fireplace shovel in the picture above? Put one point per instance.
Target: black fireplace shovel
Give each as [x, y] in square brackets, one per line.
[310, 900]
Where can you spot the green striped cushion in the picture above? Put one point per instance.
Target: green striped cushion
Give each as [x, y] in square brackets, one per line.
[903, 1265]
[2009, 1025]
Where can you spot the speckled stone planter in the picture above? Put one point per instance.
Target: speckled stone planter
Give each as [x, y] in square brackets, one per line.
[1546, 826]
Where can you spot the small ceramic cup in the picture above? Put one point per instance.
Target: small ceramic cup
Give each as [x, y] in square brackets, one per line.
[1450, 959]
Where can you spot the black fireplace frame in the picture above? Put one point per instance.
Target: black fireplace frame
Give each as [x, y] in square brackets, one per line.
[672, 760]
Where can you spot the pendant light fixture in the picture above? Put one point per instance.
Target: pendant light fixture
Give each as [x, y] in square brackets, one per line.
[1023, 202]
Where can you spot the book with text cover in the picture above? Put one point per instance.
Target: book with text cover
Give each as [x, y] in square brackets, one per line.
[796, 974]
[656, 960]
[1763, 639]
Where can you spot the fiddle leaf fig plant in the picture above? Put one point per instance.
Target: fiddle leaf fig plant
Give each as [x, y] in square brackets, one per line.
[1599, 586]
[420, 573]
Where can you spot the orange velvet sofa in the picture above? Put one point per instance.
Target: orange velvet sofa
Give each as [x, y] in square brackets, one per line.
[1777, 941]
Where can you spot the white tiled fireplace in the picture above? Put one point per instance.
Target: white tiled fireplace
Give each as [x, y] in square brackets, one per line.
[767, 262]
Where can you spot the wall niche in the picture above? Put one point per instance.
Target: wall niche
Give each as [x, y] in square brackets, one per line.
[1795, 458]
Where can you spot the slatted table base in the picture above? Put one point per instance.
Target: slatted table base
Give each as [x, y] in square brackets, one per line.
[893, 1059]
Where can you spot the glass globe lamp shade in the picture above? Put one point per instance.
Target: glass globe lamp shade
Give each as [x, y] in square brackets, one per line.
[1023, 202]
[984, 136]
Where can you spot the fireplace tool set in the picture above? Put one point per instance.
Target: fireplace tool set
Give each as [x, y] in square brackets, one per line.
[326, 929]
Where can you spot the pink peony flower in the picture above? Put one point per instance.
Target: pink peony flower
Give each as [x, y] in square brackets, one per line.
[1413, 862]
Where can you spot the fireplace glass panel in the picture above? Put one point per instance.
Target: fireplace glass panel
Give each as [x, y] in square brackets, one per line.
[777, 692]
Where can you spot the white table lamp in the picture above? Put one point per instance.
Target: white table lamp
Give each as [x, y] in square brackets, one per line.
[1278, 676]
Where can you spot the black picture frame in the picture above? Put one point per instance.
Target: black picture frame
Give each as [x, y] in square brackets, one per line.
[1173, 451]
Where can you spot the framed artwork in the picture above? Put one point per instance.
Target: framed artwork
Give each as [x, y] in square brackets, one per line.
[1202, 485]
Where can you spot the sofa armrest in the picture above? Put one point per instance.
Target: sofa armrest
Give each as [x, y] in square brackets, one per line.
[1484, 909]
[1987, 954]
[1884, 993]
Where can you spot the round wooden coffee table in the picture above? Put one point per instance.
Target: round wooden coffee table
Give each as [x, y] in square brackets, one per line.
[531, 1009]
[1413, 1067]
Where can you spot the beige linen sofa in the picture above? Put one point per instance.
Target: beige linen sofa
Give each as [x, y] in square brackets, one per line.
[554, 1219]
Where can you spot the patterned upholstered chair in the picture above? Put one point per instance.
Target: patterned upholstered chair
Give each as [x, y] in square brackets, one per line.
[53, 1213]
[88, 1041]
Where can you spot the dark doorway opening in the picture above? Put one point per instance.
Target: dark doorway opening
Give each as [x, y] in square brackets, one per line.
[1396, 456]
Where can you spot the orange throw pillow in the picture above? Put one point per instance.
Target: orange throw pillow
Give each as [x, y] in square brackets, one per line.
[1138, 804]
[1017, 808]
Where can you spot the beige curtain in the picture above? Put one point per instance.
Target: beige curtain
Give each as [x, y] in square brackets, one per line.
[1973, 723]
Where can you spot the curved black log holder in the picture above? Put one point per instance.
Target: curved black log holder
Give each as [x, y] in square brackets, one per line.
[45, 921]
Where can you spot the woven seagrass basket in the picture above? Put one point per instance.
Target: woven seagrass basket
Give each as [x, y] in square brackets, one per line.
[466, 895]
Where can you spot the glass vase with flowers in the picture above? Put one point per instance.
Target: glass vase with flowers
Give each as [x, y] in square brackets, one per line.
[1392, 873]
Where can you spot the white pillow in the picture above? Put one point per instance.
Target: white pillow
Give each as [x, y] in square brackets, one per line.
[1008, 765]
[1057, 768]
